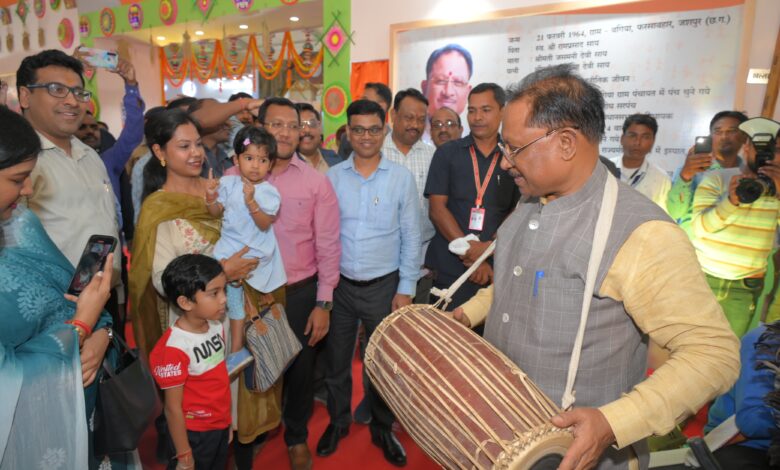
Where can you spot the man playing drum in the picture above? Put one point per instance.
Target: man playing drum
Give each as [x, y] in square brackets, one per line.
[648, 286]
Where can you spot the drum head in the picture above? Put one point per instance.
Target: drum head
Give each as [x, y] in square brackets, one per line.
[542, 453]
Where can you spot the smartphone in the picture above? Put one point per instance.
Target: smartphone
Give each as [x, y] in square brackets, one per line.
[99, 58]
[237, 361]
[703, 144]
[92, 260]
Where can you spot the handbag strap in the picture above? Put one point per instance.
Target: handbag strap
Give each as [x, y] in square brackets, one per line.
[600, 236]
[251, 313]
[122, 348]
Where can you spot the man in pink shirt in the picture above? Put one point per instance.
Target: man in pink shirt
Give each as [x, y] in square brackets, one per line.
[307, 230]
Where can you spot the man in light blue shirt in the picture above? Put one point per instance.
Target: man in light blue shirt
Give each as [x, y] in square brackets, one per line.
[380, 261]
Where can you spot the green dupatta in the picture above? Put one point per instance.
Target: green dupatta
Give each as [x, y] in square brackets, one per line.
[159, 207]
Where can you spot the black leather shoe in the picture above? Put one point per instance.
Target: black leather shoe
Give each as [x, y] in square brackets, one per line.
[386, 440]
[329, 441]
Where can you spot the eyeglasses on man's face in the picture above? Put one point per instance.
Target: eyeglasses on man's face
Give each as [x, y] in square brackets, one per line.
[372, 131]
[58, 90]
[310, 123]
[510, 154]
[278, 125]
[449, 124]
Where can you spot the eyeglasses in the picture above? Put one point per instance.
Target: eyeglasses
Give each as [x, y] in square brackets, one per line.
[372, 131]
[277, 126]
[58, 90]
[311, 124]
[456, 82]
[510, 154]
[449, 124]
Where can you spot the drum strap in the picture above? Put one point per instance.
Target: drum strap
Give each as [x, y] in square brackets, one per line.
[445, 296]
[600, 236]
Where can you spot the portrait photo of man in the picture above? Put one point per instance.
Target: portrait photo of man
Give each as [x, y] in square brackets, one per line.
[447, 75]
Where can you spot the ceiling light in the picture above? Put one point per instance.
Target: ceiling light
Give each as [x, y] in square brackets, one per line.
[294, 19]
[161, 38]
[243, 26]
[199, 33]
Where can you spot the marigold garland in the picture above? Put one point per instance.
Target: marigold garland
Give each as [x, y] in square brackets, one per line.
[220, 66]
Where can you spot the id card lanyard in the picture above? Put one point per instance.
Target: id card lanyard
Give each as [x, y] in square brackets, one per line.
[477, 218]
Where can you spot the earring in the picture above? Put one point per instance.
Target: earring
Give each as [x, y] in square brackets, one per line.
[162, 162]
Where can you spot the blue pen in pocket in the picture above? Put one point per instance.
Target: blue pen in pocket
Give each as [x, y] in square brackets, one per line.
[537, 277]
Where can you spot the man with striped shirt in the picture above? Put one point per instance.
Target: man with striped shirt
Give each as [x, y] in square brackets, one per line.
[404, 146]
[732, 238]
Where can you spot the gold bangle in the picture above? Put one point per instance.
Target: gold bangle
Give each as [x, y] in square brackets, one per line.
[82, 335]
[80, 331]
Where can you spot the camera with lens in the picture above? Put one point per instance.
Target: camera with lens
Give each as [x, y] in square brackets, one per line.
[762, 133]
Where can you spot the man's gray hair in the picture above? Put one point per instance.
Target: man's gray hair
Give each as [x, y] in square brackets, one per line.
[559, 97]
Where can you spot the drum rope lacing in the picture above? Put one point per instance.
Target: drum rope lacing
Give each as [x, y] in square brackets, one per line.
[440, 334]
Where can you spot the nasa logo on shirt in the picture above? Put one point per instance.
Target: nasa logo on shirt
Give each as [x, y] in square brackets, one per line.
[208, 348]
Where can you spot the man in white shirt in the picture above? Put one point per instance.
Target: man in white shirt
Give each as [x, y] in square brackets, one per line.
[636, 169]
[404, 145]
[72, 193]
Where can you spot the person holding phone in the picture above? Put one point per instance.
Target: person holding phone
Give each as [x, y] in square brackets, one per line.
[51, 343]
[726, 143]
[733, 234]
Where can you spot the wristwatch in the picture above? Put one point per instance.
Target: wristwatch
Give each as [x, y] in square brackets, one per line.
[110, 332]
[327, 306]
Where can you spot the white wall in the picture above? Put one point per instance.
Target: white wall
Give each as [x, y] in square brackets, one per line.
[371, 19]
[371, 22]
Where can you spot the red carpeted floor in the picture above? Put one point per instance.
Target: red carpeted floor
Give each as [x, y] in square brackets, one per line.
[355, 451]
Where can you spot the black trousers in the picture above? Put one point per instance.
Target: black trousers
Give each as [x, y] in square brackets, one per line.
[743, 458]
[369, 304]
[209, 449]
[298, 398]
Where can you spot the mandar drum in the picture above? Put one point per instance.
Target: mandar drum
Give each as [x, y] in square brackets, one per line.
[462, 401]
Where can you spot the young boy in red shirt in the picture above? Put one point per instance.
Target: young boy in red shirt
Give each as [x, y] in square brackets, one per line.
[188, 363]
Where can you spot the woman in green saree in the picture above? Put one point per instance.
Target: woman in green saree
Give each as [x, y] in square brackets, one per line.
[48, 359]
[174, 221]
